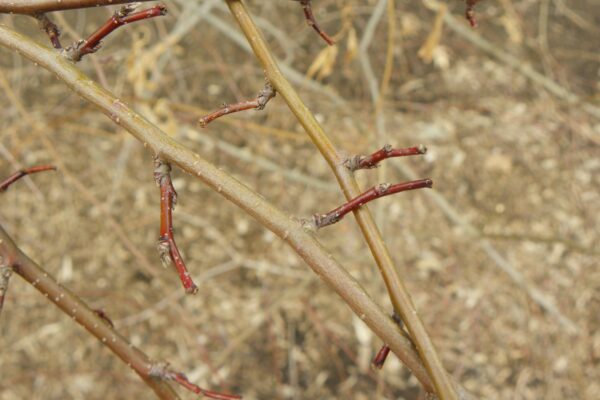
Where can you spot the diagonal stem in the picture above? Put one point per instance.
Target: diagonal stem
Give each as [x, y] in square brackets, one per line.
[42, 6]
[399, 296]
[4, 185]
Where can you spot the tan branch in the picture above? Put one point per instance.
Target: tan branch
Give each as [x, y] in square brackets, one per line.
[42, 6]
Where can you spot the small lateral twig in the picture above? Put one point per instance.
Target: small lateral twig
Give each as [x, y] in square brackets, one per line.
[4, 185]
[470, 12]
[384, 351]
[167, 248]
[163, 371]
[50, 28]
[372, 161]
[310, 19]
[258, 103]
[381, 190]
[123, 16]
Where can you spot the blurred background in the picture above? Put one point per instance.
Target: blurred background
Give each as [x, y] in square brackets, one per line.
[501, 257]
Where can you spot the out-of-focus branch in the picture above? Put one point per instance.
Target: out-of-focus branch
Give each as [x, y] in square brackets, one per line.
[123, 16]
[304, 243]
[42, 6]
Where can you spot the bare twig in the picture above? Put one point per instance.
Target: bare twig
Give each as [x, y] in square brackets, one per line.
[381, 190]
[310, 19]
[4, 185]
[258, 103]
[42, 6]
[163, 371]
[470, 12]
[123, 16]
[372, 161]
[50, 28]
[167, 248]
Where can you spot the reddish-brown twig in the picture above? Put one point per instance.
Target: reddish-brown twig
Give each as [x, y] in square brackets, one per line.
[50, 28]
[167, 248]
[371, 161]
[19, 174]
[381, 190]
[470, 12]
[310, 19]
[258, 103]
[123, 16]
[162, 371]
[383, 353]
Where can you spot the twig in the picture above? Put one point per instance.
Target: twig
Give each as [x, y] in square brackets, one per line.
[381, 190]
[258, 103]
[80, 312]
[470, 12]
[372, 161]
[42, 6]
[383, 353]
[167, 248]
[24, 172]
[310, 19]
[50, 28]
[163, 371]
[123, 16]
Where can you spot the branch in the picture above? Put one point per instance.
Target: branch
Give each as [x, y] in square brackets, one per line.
[5, 274]
[398, 293]
[258, 103]
[289, 230]
[123, 16]
[167, 248]
[381, 190]
[371, 161]
[42, 6]
[310, 19]
[24, 172]
[470, 12]
[73, 306]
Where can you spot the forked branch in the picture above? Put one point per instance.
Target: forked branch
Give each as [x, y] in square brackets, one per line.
[123, 16]
[381, 190]
[258, 103]
[167, 248]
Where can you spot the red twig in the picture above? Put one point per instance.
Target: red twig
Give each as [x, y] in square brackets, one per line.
[258, 103]
[310, 19]
[50, 28]
[371, 161]
[167, 248]
[162, 371]
[470, 12]
[381, 190]
[383, 353]
[19, 174]
[123, 16]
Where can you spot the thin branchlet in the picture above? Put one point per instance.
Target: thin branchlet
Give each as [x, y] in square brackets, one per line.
[258, 103]
[381, 190]
[167, 248]
[123, 16]
[470, 12]
[4, 185]
[373, 160]
[310, 19]
[163, 371]
[50, 28]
